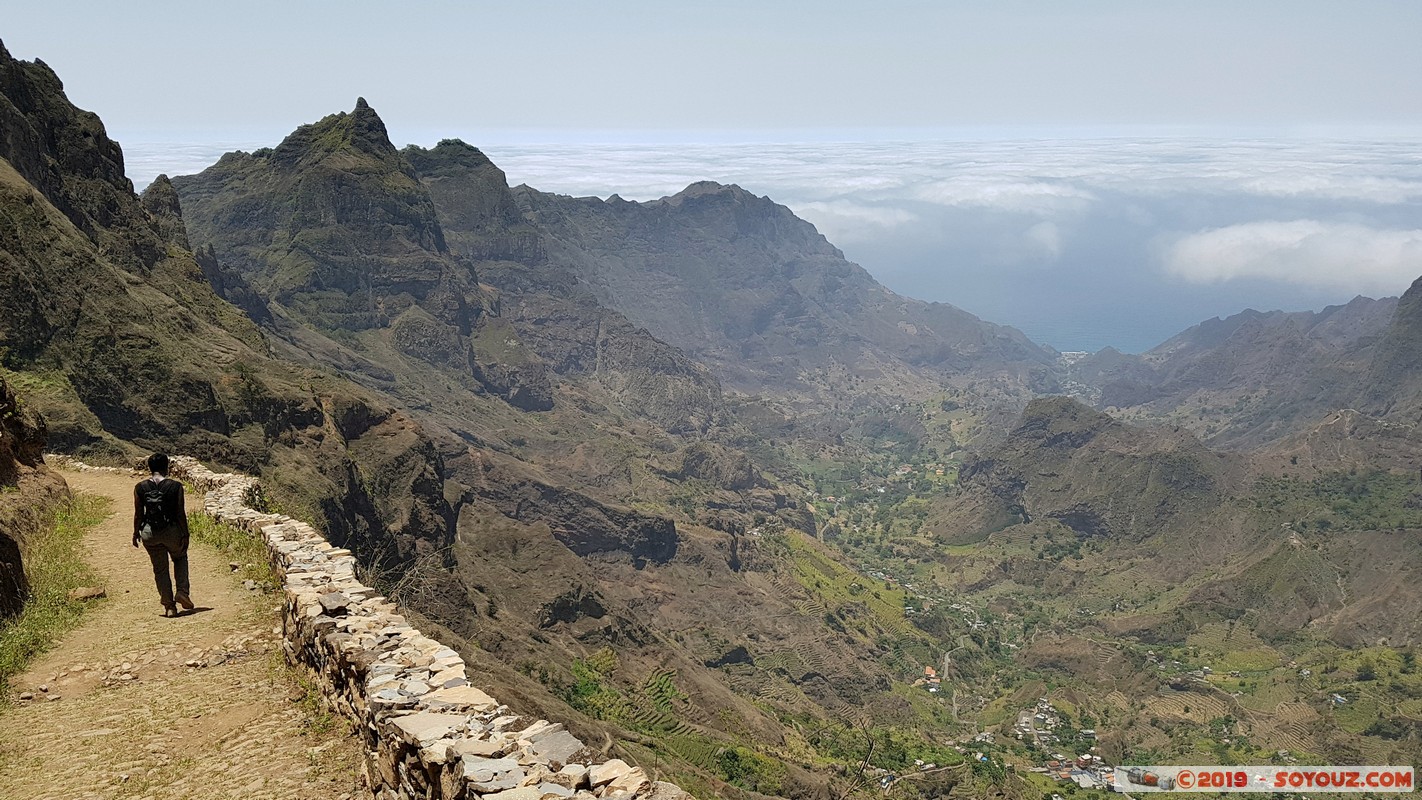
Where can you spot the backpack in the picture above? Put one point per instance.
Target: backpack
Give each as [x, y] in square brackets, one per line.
[155, 515]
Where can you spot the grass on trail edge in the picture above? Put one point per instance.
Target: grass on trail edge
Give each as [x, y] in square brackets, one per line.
[54, 565]
[238, 546]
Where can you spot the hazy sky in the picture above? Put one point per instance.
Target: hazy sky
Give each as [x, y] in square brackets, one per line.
[639, 65]
[1093, 172]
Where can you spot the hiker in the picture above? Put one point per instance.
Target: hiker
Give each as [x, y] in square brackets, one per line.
[160, 521]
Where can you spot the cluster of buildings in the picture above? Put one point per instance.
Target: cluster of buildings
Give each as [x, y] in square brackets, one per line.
[1039, 727]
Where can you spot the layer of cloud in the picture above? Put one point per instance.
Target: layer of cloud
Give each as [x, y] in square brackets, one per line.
[1307, 252]
[1018, 175]
[1018, 197]
[1021, 176]
[847, 221]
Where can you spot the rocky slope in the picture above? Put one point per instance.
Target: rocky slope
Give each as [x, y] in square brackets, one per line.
[1068, 465]
[1247, 379]
[334, 229]
[606, 512]
[1392, 386]
[549, 309]
[337, 235]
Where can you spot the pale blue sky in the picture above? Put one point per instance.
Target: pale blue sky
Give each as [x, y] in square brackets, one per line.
[731, 65]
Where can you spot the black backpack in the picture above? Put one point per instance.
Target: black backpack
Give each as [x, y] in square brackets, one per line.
[155, 512]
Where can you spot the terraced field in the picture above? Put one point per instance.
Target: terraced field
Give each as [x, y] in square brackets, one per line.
[1289, 727]
[1189, 706]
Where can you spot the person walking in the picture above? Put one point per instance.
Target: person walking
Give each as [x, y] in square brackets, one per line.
[160, 523]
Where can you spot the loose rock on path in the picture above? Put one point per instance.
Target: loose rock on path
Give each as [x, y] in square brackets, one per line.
[131, 704]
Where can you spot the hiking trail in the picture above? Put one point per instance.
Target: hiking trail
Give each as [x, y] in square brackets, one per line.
[133, 705]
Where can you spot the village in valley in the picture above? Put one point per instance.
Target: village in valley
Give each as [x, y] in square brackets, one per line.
[1014, 671]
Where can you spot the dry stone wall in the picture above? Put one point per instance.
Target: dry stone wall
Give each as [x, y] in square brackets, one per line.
[429, 733]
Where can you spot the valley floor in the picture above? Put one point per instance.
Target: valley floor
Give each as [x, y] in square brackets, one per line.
[131, 704]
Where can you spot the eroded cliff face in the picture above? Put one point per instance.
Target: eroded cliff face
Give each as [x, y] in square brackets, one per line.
[333, 225]
[27, 492]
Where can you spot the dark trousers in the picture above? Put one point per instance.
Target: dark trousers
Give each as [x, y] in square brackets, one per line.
[159, 551]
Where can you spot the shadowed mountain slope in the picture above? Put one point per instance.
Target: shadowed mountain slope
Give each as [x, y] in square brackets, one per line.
[335, 229]
[745, 286]
[1088, 472]
[1393, 384]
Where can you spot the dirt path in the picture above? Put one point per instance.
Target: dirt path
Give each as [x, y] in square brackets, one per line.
[146, 707]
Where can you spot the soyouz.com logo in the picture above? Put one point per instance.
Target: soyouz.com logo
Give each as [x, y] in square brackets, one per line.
[1263, 779]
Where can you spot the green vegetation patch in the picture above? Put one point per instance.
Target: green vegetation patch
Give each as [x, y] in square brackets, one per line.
[54, 565]
[1369, 500]
[836, 586]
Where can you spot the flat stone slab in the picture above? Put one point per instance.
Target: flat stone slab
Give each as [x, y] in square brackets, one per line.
[558, 746]
[519, 793]
[461, 697]
[627, 784]
[425, 726]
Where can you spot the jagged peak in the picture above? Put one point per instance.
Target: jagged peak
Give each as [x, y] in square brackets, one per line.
[51, 143]
[161, 194]
[361, 131]
[7, 59]
[365, 120]
[161, 202]
[1414, 292]
[161, 184]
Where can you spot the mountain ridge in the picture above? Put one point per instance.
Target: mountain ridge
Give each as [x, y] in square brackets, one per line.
[797, 305]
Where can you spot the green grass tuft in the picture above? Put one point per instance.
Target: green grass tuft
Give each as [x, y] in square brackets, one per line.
[54, 565]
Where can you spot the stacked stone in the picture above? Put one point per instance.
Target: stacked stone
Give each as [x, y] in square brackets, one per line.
[428, 732]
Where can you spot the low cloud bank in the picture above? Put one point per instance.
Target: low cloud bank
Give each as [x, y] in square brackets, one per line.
[1307, 252]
